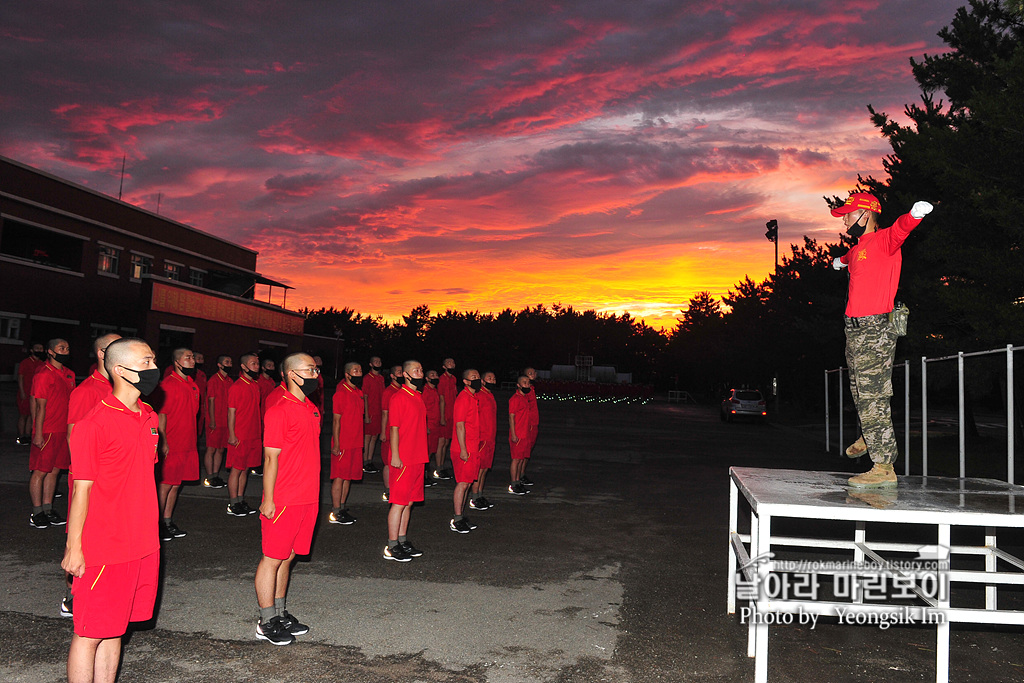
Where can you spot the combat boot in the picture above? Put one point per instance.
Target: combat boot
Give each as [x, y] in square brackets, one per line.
[857, 448]
[879, 476]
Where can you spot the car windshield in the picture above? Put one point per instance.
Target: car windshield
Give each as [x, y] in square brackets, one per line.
[748, 395]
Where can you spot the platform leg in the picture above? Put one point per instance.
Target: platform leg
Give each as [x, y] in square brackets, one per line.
[991, 564]
[942, 630]
[751, 631]
[860, 535]
[764, 545]
[733, 524]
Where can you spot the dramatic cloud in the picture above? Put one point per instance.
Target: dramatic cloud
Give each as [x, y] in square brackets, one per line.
[471, 154]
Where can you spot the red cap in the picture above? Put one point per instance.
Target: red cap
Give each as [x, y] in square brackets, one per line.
[858, 200]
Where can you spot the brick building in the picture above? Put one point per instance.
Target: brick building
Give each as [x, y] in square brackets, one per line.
[76, 263]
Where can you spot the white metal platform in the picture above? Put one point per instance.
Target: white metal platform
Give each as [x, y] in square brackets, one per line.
[772, 587]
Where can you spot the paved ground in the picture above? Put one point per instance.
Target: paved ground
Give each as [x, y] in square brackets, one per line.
[614, 569]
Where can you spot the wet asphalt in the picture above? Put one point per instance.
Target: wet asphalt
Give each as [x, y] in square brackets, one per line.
[612, 569]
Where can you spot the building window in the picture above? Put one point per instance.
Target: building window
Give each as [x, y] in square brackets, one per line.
[108, 259]
[196, 277]
[141, 265]
[10, 328]
[172, 271]
[38, 245]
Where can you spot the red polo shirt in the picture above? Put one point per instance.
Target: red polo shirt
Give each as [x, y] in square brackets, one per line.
[488, 416]
[294, 427]
[467, 410]
[55, 387]
[266, 386]
[531, 399]
[86, 396]
[875, 263]
[519, 406]
[218, 387]
[244, 397]
[373, 388]
[348, 405]
[115, 449]
[408, 412]
[181, 403]
[432, 400]
[385, 404]
[28, 368]
[446, 386]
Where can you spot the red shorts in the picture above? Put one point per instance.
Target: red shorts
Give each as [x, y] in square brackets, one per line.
[24, 409]
[176, 467]
[217, 438]
[466, 472]
[348, 465]
[109, 596]
[433, 436]
[521, 450]
[290, 531]
[405, 484]
[248, 453]
[373, 426]
[54, 453]
[486, 455]
[446, 428]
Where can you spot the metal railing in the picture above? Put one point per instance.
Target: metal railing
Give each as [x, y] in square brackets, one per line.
[961, 422]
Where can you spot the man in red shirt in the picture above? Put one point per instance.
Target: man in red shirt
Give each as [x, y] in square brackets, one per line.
[465, 447]
[291, 494]
[531, 399]
[217, 422]
[874, 263]
[201, 382]
[84, 398]
[373, 390]
[267, 382]
[112, 548]
[245, 431]
[446, 386]
[51, 392]
[397, 379]
[521, 428]
[432, 400]
[488, 433]
[178, 453]
[346, 441]
[407, 439]
[27, 369]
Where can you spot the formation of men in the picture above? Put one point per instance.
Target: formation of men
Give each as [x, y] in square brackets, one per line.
[109, 440]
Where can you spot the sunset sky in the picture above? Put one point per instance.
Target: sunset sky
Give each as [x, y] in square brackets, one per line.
[620, 155]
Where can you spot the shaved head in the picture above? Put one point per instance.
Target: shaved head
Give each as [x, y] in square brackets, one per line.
[125, 352]
[352, 366]
[296, 361]
[103, 342]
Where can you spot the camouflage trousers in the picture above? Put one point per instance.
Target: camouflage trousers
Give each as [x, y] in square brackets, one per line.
[870, 349]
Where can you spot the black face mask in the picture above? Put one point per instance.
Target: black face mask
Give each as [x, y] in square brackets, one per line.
[148, 380]
[62, 358]
[269, 372]
[357, 381]
[188, 372]
[491, 386]
[450, 371]
[41, 355]
[434, 380]
[376, 368]
[308, 385]
[418, 383]
[226, 369]
[251, 374]
[525, 390]
[858, 228]
[475, 384]
[398, 380]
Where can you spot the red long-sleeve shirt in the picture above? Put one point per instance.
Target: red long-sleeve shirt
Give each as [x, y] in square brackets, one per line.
[875, 263]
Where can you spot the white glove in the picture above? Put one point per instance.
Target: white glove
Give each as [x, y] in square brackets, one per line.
[920, 209]
[837, 264]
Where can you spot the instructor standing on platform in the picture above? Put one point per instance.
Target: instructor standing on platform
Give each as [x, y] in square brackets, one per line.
[874, 264]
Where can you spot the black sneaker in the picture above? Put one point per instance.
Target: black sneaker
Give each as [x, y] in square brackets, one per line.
[248, 510]
[398, 554]
[428, 482]
[39, 520]
[174, 531]
[292, 625]
[256, 471]
[525, 481]
[236, 510]
[165, 533]
[440, 475]
[370, 468]
[517, 488]
[58, 493]
[478, 503]
[385, 496]
[66, 607]
[412, 550]
[218, 483]
[274, 632]
[469, 523]
[22, 441]
[484, 503]
[341, 518]
[459, 527]
[54, 518]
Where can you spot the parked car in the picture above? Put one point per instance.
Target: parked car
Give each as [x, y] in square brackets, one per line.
[744, 403]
